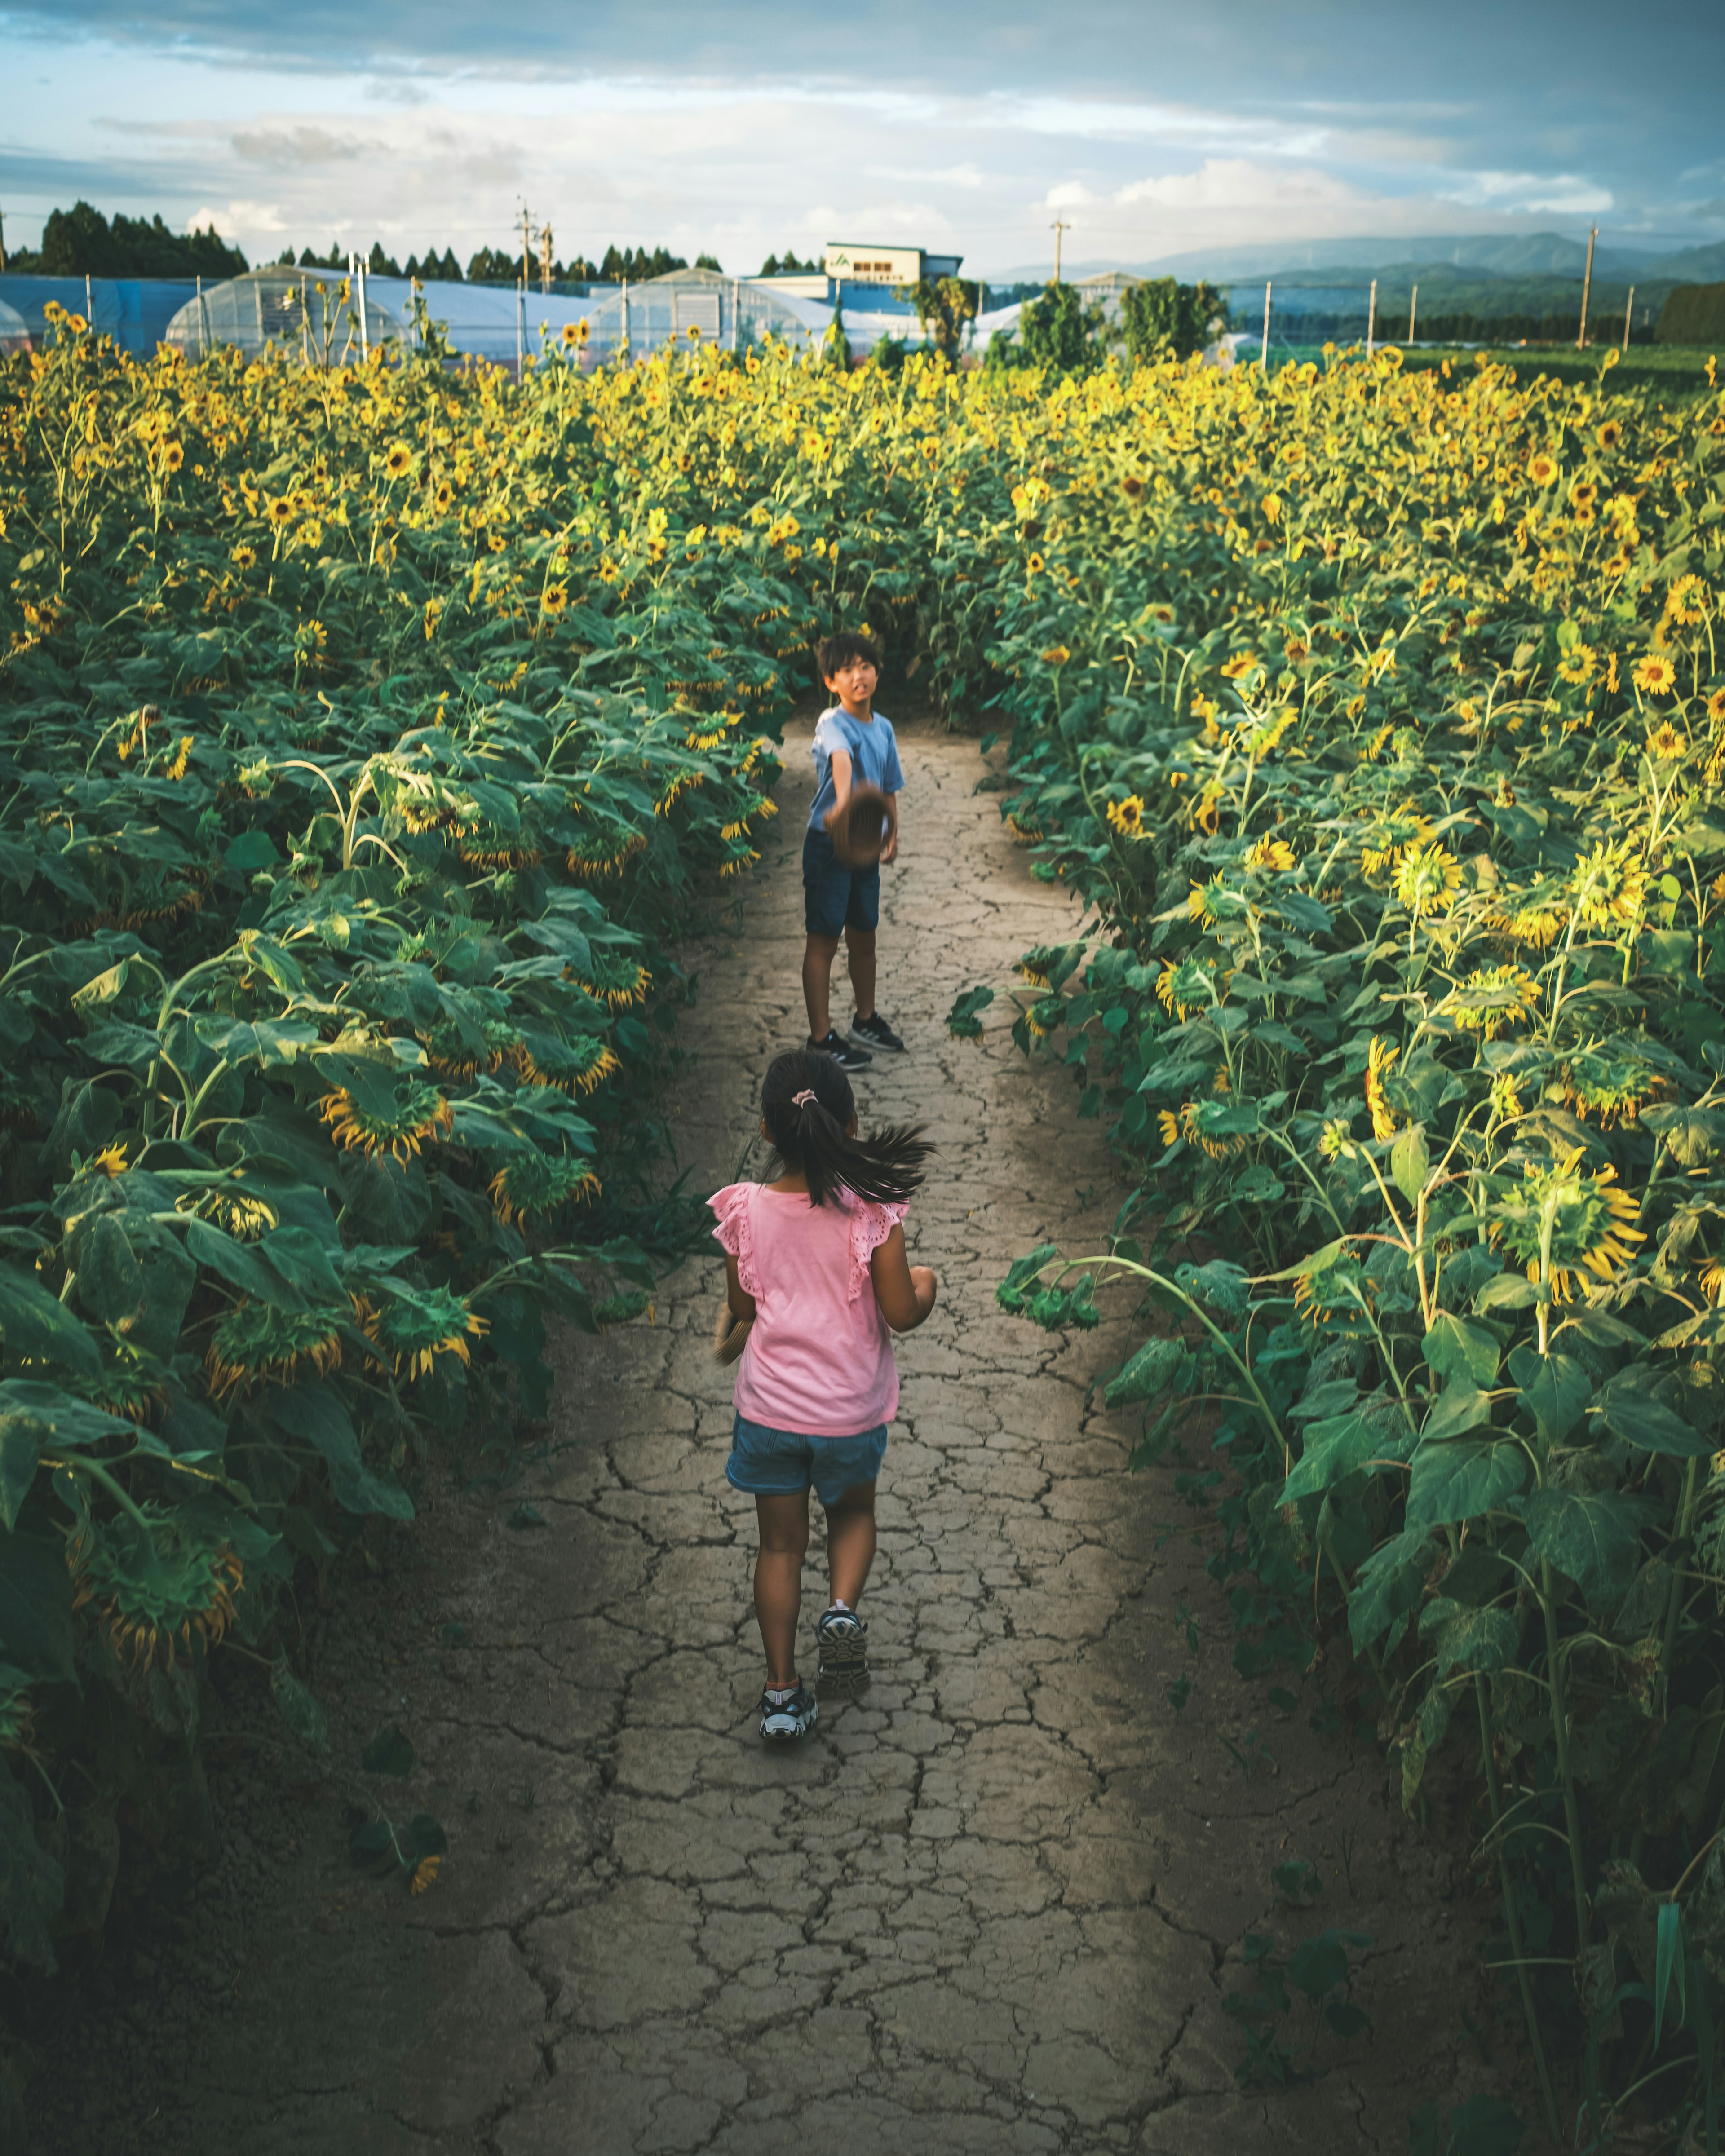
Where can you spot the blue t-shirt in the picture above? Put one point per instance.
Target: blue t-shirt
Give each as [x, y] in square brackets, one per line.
[872, 748]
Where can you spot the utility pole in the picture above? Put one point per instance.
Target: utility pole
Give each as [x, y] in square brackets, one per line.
[2, 243]
[1413, 311]
[1264, 356]
[1057, 228]
[1586, 278]
[1628, 309]
[1371, 318]
[526, 246]
[545, 258]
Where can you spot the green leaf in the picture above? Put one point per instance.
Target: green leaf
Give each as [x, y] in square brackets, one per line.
[1463, 1479]
[36, 1603]
[1465, 1638]
[263, 1042]
[1508, 1291]
[1591, 1537]
[1155, 1366]
[1338, 1445]
[1221, 1284]
[1411, 1162]
[388, 1752]
[298, 1707]
[1460, 1408]
[32, 1885]
[250, 851]
[1670, 1961]
[316, 1415]
[1387, 1589]
[1556, 1393]
[111, 1280]
[35, 1418]
[1692, 1136]
[1454, 1348]
[36, 1325]
[1640, 1419]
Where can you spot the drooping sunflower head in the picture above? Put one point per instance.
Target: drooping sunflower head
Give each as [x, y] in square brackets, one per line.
[612, 978]
[1427, 878]
[398, 1124]
[1188, 986]
[1394, 831]
[1274, 855]
[452, 1056]
[1492, 999]
[1607, 1083]
[159, 1586]
[533, 1185]
[258, 1343]
[575, 1065]
[598, 855]
[1609, 886]
[416, 1329]
[1561, 1222]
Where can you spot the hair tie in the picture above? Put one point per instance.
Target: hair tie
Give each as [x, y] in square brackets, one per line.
[802, 1099]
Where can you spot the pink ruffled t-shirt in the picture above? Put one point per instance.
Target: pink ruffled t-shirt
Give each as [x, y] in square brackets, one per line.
[818, 1360]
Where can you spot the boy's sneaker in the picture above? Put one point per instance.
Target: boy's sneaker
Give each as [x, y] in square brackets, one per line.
[793, 1715]
[843, 1640]
[847, 1057]
[877, 1032]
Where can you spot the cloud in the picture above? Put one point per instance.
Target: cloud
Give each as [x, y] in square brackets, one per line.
[1563, 193]
[294, 148]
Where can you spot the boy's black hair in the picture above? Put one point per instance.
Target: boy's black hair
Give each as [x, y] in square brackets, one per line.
[839, 649]
[810, 1137]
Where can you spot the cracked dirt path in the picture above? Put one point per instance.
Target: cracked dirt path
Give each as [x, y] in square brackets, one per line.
[993, 1906]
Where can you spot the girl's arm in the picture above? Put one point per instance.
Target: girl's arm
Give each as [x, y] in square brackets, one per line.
[889, 852]
[736, 1296]
[841, 788]
[905, 1293]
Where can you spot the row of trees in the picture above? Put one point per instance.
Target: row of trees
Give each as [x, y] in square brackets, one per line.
[80, 242]
[502, 265]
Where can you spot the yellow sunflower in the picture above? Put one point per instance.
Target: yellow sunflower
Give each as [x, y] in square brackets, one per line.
[1128, 816]
[1655, 674]
[1379, 1058]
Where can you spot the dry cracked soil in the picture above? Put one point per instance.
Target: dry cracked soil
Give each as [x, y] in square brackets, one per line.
[994, 1903]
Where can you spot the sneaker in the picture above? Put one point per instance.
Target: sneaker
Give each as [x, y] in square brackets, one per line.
[843, 1054]
[877, 1032]
[784, 1719]
[843, 1640]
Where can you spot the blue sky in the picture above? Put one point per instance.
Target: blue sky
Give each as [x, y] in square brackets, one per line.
[1150, 129]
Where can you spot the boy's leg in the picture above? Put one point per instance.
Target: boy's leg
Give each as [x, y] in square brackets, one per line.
[819, 953]
[850, 1542]
[860, 956]
[778, 1579]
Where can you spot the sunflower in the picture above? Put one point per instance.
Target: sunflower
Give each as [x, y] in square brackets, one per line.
[1035, 566]
[181, 757]
[1055, 655]
[1607, 887]
[451, 1055]
[1577, 664]
[1186, 987]
[1132, 486]
[1273, 854]
[572, 1066]
[1541, 470]
[180, 1586]
[1168, 1123]
[1613, 1087]
[173, 455]
[556, 598]
[1715, 708]
[1393, 832]
[611, 978]
[1240, 666]
[1492, 999]
[443, 497]
[1427, 879]
[416, 1113]
[397, 460]
[258, 1343]
[1655, 674]
[1685, 602]
[1128, 816]
[415, 1330]
[530, 1183]
[571, 334]
[1610, 435]
[1379, 1057]
[1297, 651]
[243, 557]
[1560, 1222]
[279, 512]
[604, 854]
[1666, 744]
[1538, 920]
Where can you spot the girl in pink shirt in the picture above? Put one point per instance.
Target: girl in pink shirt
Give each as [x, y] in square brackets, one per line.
[815, 1266]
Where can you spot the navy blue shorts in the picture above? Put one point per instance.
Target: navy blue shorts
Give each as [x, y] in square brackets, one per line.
[833, 896]
[782, 1463]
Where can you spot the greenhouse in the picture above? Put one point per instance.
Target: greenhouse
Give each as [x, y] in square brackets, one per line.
[294, 312]
[696, 303]
[14, 330]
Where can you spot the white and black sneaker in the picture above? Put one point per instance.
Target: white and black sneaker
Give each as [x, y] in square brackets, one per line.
[843, 1640]
[843, 1053]
[877, 1032]
[785, 1716]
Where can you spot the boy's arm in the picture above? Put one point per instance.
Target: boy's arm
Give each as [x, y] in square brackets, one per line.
[841, 788]
[889, 852]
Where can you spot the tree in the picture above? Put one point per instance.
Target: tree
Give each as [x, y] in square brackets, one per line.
[788, 265]
[494, 265]
[1163, 319]
[709, 262]
[638, 262]
[80, 243]
[943, 305]
[1056, 329]
[380, 264]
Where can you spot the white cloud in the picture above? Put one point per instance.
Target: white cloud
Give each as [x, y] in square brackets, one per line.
[1564, 193]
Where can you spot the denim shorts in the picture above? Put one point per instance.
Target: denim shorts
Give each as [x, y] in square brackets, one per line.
[833, 896]
[779, 1463]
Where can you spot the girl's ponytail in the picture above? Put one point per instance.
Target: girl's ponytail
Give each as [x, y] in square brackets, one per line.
[808, 1104]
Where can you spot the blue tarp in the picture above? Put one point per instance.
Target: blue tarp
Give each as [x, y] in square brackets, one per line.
[134, 310]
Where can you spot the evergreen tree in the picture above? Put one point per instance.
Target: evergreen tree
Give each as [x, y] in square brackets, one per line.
[709, 262]
[380, 264]
[1163, 319]
[81, 243]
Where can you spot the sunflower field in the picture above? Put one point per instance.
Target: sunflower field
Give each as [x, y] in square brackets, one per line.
[365, 736]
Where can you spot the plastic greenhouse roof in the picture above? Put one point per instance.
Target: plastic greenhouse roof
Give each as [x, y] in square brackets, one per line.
[282, 310]
[14, 330]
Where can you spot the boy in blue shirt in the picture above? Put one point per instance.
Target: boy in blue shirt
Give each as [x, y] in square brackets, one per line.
[853, 746]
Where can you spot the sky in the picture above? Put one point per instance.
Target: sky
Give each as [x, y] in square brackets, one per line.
[1146, 127]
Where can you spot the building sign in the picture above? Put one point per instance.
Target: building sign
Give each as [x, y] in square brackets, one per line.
[853, 265]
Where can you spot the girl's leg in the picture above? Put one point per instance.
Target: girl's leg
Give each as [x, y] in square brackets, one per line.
[778, 1579]
[850, 1542]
